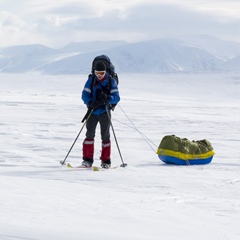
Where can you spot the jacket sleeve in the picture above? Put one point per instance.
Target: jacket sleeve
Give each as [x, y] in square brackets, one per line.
[114, 97]
[86, 92]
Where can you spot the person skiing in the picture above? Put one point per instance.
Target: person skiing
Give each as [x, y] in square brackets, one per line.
[100, 93]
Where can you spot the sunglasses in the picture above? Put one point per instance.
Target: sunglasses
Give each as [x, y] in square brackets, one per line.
[101, 73]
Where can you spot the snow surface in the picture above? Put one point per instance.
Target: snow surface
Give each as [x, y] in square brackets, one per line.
[42, 200]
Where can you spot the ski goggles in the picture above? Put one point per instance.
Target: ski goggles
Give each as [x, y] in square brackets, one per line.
[101, 73]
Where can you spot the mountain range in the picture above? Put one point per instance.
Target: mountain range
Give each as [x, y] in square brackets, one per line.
[183, 54]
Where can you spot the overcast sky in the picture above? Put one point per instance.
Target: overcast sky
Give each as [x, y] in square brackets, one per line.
[56, 23]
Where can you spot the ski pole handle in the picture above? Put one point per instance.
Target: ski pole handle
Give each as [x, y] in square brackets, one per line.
[89, 111]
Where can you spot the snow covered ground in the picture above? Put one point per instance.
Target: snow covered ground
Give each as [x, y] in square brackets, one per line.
[41, 200]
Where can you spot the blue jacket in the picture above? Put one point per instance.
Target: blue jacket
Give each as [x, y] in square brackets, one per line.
[89, 92]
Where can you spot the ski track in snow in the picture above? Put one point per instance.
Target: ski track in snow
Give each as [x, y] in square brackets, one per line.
[40, 199]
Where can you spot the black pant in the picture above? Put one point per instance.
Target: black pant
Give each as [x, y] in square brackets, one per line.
[104, 121]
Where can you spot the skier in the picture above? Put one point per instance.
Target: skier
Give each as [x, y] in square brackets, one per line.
[100, 93]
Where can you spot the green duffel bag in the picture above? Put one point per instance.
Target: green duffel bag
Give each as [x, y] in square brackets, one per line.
[173, 149]
[184, 145]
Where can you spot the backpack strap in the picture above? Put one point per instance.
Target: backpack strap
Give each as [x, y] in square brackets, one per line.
[92, 82]
[109, 83]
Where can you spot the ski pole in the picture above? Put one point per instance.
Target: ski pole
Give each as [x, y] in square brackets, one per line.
[109, 117]
[87, 116]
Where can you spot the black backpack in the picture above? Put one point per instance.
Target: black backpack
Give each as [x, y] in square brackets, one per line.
[110, 67]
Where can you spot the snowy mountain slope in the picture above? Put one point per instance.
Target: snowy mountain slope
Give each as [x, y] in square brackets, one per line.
[163, 57]
[222, 49]
[34, 50]
[90, 46]
[145, 57]
[24, 58]
[156, 56]
[232, 64]
[80, 63]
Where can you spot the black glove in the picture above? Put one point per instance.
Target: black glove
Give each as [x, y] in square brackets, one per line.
[102, 99]
[93, 104]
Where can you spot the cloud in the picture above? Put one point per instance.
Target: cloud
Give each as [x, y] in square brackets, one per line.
[159, 20]
[58, 23]
[150, 21]
[12, 28]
